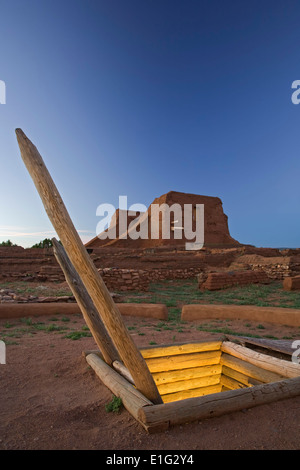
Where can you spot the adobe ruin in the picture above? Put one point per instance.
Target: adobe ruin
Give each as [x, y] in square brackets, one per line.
[216, 231]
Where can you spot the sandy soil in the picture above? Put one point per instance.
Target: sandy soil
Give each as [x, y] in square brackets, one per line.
[51, 399]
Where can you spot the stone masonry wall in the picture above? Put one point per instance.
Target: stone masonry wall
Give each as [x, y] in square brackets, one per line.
[216, 281]
[137, 279]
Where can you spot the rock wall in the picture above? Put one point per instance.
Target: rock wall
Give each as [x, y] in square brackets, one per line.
[124, 279]
[17, 263]
[138, 280]
[217, 281]
[276, 267]
[133, 269]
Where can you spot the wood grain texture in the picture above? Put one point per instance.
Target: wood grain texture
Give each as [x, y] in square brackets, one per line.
[86, 269]
[251, 370]
[183, 361]
[189, 384]
[89, 312]
[269, 363]
[192, 393]
[183, 348]
[217, 404]
[186, 374]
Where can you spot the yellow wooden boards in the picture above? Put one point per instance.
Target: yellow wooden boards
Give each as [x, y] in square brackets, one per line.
[183, 361]
[196, 369]
[185, 370]
[186, 348]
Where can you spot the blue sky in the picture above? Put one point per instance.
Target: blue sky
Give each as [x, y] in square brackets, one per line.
[140, 97]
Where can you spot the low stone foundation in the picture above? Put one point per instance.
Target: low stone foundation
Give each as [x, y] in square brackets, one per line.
[117, 279]
[216, 281]
[128, 269]
[276, 267]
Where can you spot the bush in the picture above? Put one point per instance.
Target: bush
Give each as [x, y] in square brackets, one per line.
[114, 405]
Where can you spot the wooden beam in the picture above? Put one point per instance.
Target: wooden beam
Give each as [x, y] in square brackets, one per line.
[190, 384]
[186, 374]
[86, 269]
[89, 312]
[282, 346]
[249, 369]
[195, 392]
[117, 365]
[279, 366]
[183, 348]
[231, 383]
[217, 404]
[183, 361]
[243, 378]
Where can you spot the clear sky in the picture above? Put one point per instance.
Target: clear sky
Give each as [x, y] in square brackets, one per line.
[141, 97]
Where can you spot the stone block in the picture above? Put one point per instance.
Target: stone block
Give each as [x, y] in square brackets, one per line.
[291, 283]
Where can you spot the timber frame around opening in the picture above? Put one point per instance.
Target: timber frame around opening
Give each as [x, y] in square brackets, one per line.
[199, 381]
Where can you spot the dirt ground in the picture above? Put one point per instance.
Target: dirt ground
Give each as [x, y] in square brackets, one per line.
[51, 399]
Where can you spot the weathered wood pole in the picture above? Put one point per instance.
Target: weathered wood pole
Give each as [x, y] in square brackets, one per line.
[89, 312]
[86, 269]
[268, 363]
[217, 404]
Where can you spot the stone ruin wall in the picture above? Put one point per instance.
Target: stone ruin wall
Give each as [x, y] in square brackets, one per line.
[40, 265]
[138, 280]
[218, 281]
[277, 268]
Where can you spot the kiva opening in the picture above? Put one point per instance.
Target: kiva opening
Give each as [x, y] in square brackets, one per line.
[197, 369]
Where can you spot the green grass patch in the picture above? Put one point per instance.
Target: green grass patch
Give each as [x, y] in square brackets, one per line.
[225, 331]
[175, 293]
[40, 291]
[115, 405]
[75, 335]
[48, 327]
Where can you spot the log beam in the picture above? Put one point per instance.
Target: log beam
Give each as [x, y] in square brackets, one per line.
[217, 404]
[89, 312]
[249, 369]
[266, 362]
[86, 269]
